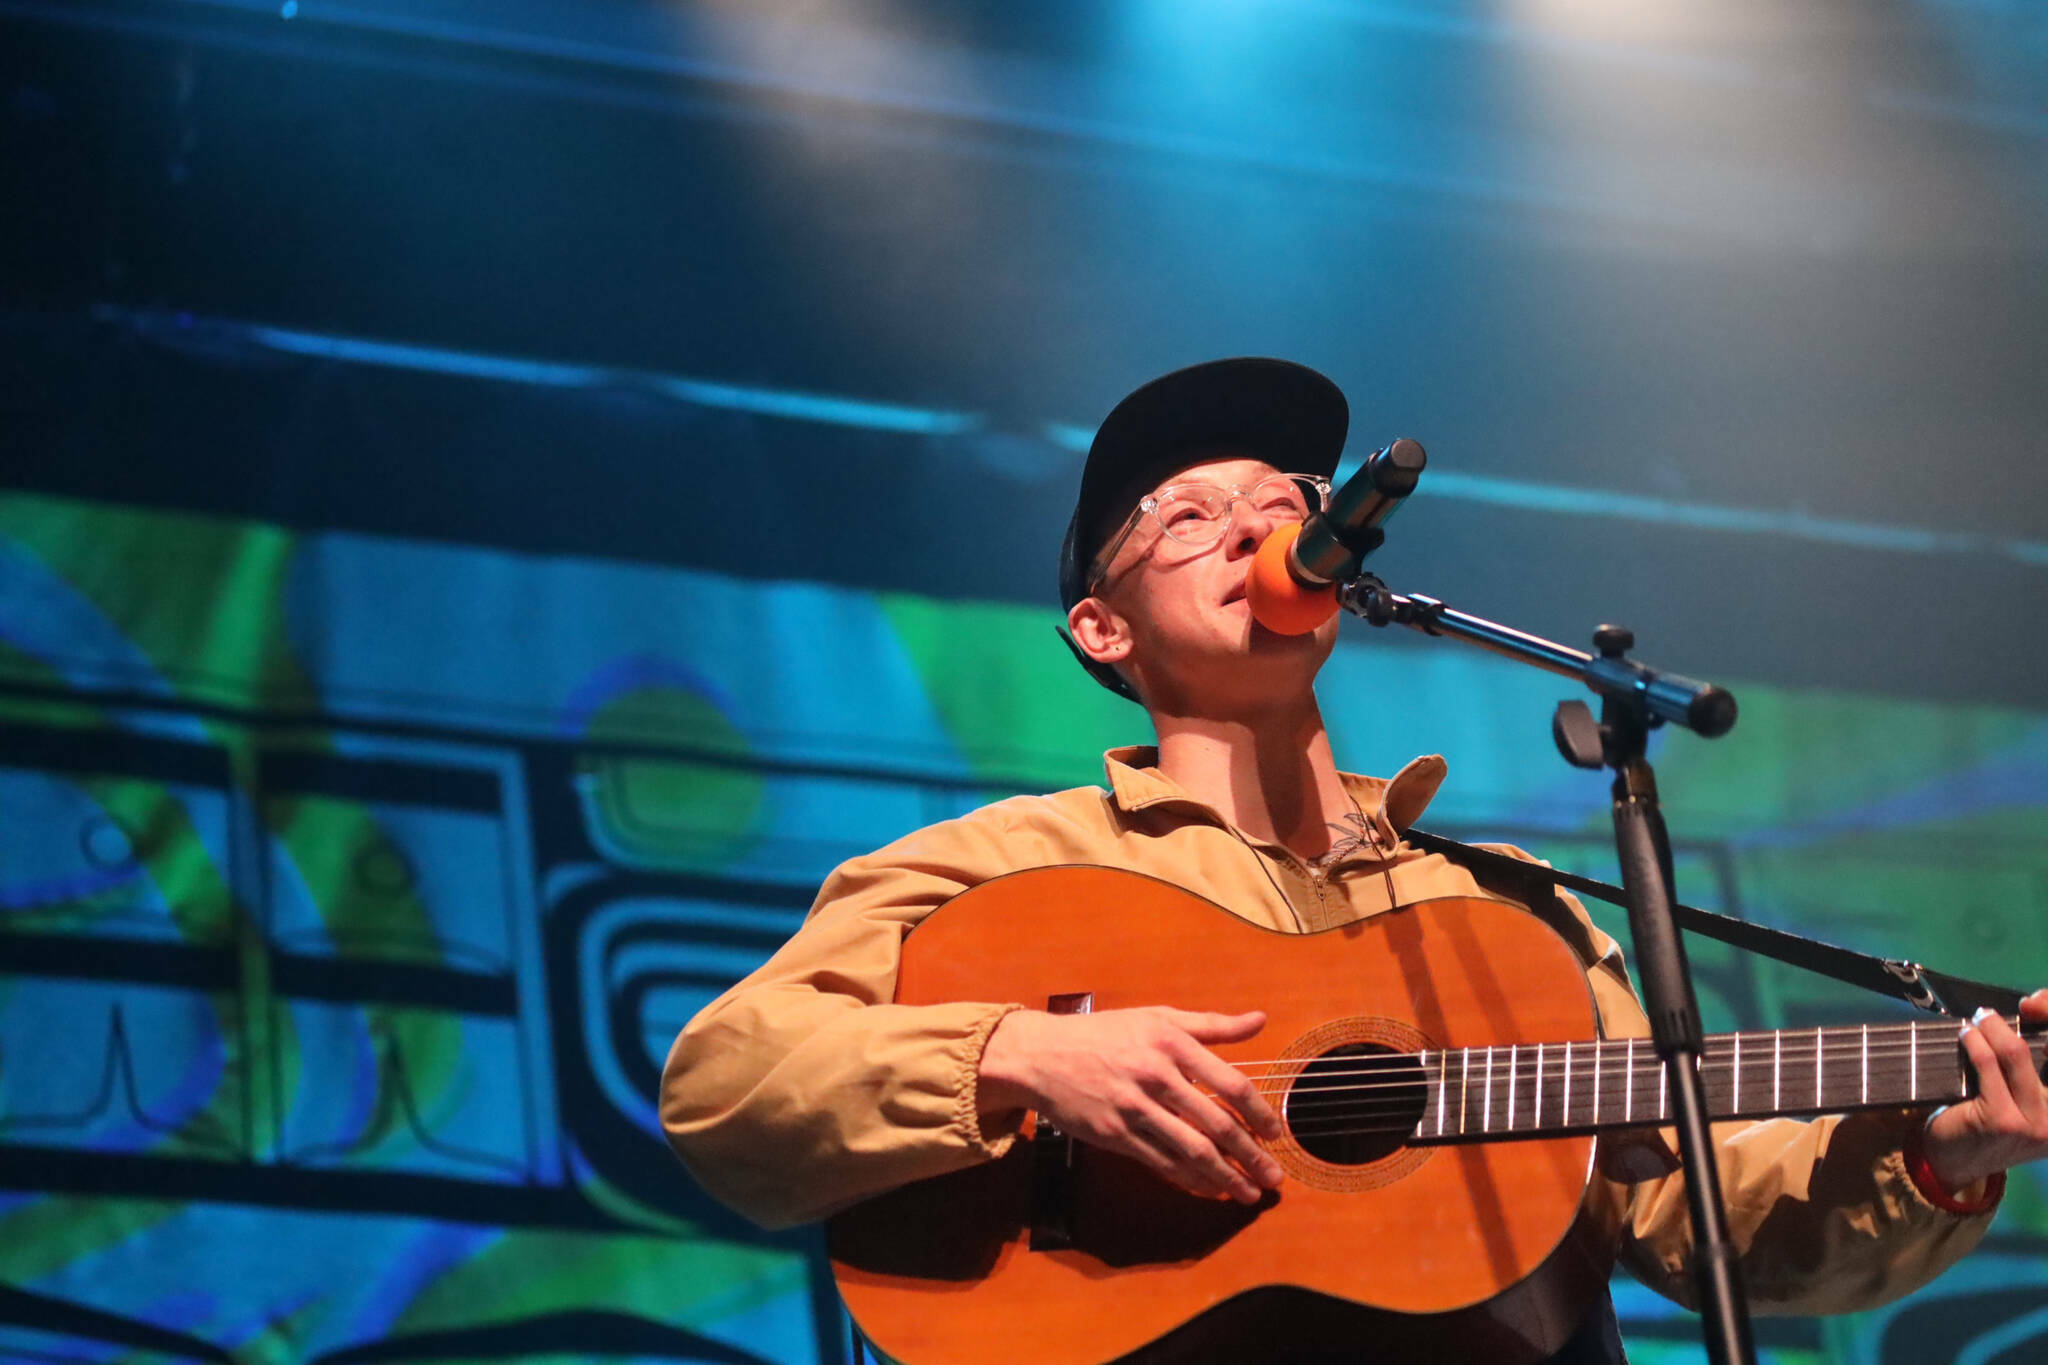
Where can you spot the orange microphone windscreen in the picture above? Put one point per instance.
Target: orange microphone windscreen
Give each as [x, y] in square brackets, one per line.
[1280, 603]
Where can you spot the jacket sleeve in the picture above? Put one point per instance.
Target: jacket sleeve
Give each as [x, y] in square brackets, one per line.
[803, 1089]
[1822, 1212]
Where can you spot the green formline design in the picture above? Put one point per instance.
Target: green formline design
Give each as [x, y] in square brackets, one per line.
[41, 1238]
[685, 1281]
[200, 597]
[1798, 754]
[671, 814]
[324, 838]
[1015, 702]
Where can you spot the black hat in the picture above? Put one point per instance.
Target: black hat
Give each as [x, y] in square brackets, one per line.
[1283, 413]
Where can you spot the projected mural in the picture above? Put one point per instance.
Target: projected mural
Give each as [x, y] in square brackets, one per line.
[353, 889]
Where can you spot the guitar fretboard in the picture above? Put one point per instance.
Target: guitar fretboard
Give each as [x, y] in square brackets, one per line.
[1574, 1087]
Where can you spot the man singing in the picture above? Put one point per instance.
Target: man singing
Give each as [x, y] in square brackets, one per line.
[804, 1088]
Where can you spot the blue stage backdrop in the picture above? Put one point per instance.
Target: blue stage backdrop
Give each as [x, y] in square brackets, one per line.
[496, 499]
[354, 888]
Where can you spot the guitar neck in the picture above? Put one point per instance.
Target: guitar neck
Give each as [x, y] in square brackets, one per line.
[1554, 1089]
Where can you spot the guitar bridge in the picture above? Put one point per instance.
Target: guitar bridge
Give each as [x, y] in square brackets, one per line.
[1052, 1158]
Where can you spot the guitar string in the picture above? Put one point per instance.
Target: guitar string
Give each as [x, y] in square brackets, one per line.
[1419, 1128]
[1293, 1069]
[1361, 1125]
[1419, 1079]
[1838, 1035]
[1355, 1110]
[1281, 1085]
[1403, 1099]
[1350, 1118]
[1412, 1062]
[1420, 1098]
[1416, 1127]
[1332, 1121]
[1418, 1117]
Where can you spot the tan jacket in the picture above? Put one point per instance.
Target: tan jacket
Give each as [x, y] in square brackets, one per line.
[803, 1089]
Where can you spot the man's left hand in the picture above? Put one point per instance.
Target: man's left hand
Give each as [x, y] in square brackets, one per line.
[2006, 1123]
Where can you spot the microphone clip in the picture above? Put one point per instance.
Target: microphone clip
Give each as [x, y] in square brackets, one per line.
[1366, 597]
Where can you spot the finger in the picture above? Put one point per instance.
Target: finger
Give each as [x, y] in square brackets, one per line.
[1225, 1133]
[1209, 1027]
[1152, 1150]
[1189, 1159]
[1236, 1089]
[1993, 1095]
[2017, 1064]
[2035, 1007]
[1197, 1159]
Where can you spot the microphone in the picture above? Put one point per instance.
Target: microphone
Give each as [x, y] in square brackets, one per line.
[1292, 586]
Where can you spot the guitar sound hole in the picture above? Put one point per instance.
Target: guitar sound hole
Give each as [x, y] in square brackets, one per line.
[1356, 1104]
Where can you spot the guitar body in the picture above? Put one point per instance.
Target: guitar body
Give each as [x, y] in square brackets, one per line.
[1381, 1252]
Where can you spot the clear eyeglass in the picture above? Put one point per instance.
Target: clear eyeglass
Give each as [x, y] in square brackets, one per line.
[1200, 513]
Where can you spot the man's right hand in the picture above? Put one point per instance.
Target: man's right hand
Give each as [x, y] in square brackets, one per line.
[1127, 1081]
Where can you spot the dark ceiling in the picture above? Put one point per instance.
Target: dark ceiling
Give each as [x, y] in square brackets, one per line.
[1758, 293]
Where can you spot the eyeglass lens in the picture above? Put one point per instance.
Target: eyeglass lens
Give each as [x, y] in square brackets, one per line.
[1197, 513]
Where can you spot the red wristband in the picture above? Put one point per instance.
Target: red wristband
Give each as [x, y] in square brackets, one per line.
[1938, 1194]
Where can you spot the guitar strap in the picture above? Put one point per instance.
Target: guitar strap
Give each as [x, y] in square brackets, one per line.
[1537, 887]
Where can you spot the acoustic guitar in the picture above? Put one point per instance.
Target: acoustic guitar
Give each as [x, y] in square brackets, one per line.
[1442, 1086]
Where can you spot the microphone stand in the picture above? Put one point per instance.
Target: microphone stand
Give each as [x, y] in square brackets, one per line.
[1635, 699]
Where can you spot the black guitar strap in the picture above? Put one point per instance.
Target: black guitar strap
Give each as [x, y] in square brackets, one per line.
[1935, 992]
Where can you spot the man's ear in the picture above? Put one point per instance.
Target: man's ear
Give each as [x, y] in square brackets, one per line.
[1102, 635]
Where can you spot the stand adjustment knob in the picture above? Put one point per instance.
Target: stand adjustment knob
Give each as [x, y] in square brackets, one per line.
[1614, 641]
[1579, 737]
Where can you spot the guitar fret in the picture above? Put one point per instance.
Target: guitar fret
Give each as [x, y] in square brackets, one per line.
[1512, 1057]
[1628, 1099]
[1735, 1066]
[1819, 1059]
[1464, 1089]
[1486, 1103]
[1536, 1108]
[1891, 1072]
[1828, 1087]
[1599, 1060]
[1566, 1110]
[1441, 1072]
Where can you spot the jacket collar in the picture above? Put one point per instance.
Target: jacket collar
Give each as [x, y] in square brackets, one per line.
[1393, 804]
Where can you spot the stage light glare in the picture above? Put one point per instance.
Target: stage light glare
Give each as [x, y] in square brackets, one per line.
[1670, 24]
